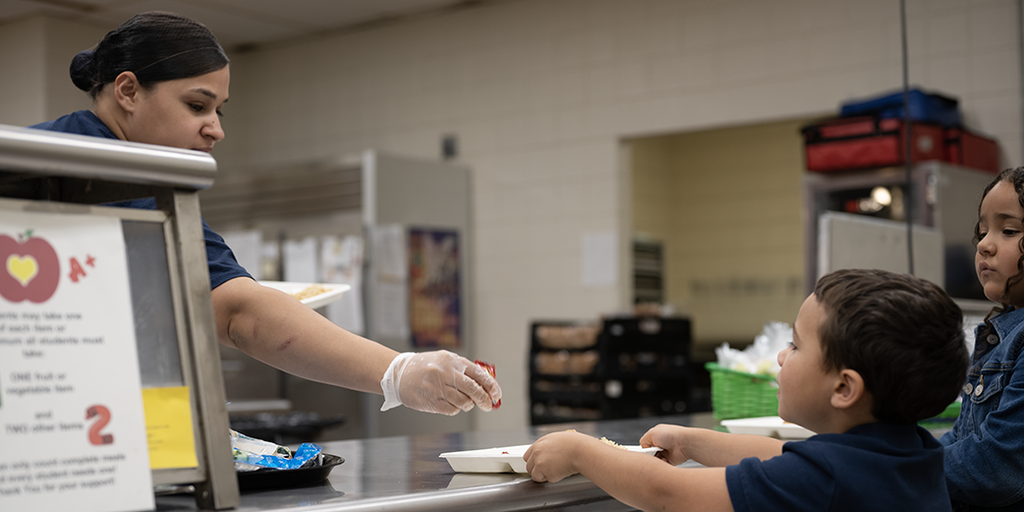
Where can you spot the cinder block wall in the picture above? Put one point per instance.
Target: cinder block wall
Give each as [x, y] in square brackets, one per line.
[726, 204]
[541, 94]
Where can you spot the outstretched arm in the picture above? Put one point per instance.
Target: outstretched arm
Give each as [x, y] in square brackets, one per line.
[276, 329]
[708, 447]
[635, 479]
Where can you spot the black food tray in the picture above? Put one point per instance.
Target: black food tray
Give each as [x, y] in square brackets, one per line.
[276, 478]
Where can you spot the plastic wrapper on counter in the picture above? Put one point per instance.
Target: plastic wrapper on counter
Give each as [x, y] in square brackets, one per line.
[760, 357]
[253, 454]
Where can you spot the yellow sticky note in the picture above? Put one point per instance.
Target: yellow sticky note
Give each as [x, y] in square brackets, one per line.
[169, 428]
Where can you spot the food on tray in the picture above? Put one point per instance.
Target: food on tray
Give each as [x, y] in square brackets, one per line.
[490, 369]
[604, 440]
[609, 442]
[310, 291]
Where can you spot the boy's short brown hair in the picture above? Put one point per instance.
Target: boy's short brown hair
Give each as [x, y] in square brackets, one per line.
[904, 335]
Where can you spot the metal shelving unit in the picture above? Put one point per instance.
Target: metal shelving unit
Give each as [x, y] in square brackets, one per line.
[648, 271]
[628, 368]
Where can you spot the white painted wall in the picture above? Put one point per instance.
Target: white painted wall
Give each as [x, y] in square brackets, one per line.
[541, 92]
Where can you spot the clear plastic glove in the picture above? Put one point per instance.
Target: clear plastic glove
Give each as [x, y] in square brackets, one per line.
[438, 382]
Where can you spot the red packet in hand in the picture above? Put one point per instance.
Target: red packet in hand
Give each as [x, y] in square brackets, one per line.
[490, 369]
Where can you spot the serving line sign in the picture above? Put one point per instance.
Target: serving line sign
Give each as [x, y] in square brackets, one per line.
[72, 428]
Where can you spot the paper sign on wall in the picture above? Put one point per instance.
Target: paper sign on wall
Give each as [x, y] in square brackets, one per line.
[342, 262]
[600, 259]
[390, 308]
[71, 417]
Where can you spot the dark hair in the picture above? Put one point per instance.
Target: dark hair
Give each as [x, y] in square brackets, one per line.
[1015, 177]
[156, 46]
[904, 335]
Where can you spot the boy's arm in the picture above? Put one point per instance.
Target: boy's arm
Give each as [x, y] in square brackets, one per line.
[708, 447]
[635, 479]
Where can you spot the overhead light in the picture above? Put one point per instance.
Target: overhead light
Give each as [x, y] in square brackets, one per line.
[881, 196]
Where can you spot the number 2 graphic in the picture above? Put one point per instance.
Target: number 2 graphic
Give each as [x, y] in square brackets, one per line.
[94, 432]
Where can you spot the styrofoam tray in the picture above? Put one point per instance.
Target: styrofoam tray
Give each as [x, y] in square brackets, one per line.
[773, 426]
[507, 459]
[333, 293]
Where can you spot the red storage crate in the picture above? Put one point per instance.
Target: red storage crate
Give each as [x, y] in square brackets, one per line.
[969, 149]
[862, 142]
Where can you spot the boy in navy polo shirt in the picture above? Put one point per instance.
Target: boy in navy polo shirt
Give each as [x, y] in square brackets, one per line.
[873, 353]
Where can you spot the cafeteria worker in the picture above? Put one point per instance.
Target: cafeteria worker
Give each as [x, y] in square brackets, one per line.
[161, 78]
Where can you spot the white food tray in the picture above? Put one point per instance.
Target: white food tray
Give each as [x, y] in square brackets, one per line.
[507, 459]
[333, 293]
[773, 426]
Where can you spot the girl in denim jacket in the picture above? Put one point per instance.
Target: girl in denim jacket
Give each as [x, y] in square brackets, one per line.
[984, 455]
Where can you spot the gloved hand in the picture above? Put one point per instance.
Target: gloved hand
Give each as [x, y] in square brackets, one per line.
[438, 382]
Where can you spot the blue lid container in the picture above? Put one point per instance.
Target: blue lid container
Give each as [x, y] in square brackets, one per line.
[924, 107]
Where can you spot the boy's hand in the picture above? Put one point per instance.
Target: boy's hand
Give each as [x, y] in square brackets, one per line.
[550, 458]
[672, 440]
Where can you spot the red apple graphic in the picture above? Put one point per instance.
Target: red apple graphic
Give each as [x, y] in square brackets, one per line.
[30, 269]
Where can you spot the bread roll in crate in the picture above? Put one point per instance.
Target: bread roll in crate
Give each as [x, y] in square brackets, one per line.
[567, 336]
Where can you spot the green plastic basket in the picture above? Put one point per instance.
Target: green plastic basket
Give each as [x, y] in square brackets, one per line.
[945, 418]
[741, 395]
[737, 394]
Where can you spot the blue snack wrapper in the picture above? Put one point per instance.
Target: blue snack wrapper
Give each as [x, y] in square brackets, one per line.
[253, 454]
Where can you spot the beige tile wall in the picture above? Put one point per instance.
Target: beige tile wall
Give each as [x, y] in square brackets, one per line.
[23, 101]
[726, 204]
[541, 93]
[35, 85]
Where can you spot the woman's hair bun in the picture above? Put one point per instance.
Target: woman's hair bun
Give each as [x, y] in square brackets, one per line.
[83, 70]
[155, 46]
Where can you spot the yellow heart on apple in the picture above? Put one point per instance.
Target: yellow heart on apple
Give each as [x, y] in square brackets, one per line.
[24, 269]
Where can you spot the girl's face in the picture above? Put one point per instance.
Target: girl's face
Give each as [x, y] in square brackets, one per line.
[1000, 228]
[183, 113]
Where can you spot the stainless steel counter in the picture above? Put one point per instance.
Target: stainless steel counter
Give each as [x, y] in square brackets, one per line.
[406, 474]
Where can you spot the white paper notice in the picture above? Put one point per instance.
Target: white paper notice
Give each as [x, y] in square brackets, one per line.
[600, 259]
[72, 428]
[342, 262]
[391, 281]
[300, 261]
[247, 247]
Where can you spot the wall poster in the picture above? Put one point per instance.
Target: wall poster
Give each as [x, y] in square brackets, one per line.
[435, 317]
[71, 413]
